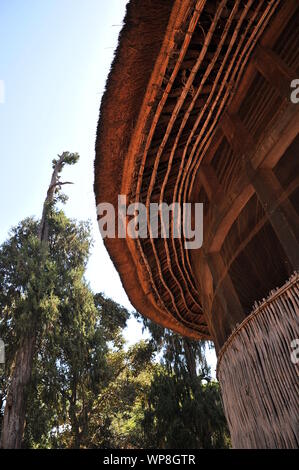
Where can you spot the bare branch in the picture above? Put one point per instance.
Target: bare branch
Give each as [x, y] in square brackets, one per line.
[59, 184]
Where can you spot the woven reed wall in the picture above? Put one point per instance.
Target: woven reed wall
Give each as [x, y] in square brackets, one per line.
[259, 382]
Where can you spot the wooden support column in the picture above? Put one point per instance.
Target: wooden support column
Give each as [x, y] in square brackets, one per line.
[283, 217]
[223, 321]
[214, 145]
[209, 180]
[236, 133]
[206, 170]
[224, 288]
[287, 11]
[274, 70]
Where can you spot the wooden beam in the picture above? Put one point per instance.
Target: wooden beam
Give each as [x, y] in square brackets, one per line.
[225, 290]
[283, 218]
[284, 195]
[237, 135]
[209, 180]
[266, 154]
[245, 84]
[217, 138]
[284, 133]
[224, 214]
[280, 21]
[274, 70]
[272, 144]
[269, 38]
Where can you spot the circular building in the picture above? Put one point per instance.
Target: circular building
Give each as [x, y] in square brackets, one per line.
[201, 112]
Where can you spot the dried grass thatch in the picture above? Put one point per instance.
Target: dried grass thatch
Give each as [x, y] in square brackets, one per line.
[176, 70]
[145, 44]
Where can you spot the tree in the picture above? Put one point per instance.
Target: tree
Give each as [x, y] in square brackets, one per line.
[88, 396]
[175, 419]
[70, 380]
[76, 360]
[116, 421]
[28, 278]
[183, 407]
[72, 369]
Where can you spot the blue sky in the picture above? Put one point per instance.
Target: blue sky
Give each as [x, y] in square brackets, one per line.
[54, 59]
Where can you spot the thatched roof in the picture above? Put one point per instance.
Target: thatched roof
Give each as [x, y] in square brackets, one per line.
[149, 26]
[179, 67]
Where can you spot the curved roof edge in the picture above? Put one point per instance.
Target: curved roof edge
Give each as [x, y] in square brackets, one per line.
[146, 39]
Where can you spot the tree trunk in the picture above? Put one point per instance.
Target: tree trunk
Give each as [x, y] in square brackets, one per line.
[190, 359]
[73, 416]
[14, 414]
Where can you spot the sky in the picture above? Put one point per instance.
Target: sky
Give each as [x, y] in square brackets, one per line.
[55, 56]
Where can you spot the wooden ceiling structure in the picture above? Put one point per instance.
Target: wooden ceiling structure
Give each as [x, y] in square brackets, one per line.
[198, 108]
[196, 103]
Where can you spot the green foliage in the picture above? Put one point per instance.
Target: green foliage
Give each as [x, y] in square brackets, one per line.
[38, 283]
[176, 418]
[87, 389]
[118, 411]
[68, 159]
[183, 407]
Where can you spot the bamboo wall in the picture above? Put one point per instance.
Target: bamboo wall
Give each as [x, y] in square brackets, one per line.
[259, 381]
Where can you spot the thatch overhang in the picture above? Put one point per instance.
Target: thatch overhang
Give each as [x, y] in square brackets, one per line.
[182, 71]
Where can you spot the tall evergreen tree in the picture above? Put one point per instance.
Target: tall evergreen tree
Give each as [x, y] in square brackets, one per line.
[28, 277]
[72, 369]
